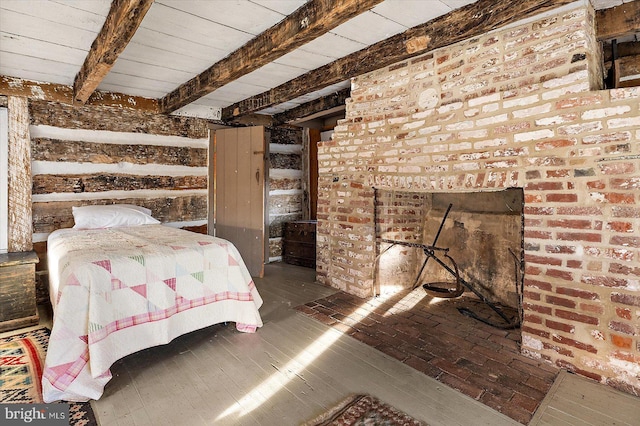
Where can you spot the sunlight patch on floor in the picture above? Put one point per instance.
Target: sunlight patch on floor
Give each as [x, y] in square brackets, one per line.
[278, 380]
[408, 302]
[435, 300]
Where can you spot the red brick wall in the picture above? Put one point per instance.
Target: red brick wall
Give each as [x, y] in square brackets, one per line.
[520, 107]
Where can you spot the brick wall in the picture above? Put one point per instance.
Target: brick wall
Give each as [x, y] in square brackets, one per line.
[520, 107]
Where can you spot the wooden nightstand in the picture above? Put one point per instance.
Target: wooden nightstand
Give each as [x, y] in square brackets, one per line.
[18, 290]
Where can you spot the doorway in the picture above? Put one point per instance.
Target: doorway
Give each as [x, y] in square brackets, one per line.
[239, 193]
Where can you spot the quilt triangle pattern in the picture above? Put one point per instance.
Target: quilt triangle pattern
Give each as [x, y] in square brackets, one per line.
[138, 258]
[73, 280]
[140, 289]
[93, 327]
[171, 282]
[198, 276]
[106, 264]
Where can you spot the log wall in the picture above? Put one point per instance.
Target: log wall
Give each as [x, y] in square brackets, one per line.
[105, 155]
[285, 183]
[102, 155]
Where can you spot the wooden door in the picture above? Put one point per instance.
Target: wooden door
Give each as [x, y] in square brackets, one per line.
[239, 176]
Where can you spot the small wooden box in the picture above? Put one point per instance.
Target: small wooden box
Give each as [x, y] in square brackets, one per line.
[299, 243]
[18, 290]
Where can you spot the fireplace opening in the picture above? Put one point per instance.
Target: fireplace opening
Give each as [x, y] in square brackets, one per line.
[465, 246]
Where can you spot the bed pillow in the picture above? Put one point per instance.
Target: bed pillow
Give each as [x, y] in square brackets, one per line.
[93, 217]
[133, 206]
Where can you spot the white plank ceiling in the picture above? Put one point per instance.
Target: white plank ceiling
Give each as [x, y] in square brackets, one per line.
[48, 40]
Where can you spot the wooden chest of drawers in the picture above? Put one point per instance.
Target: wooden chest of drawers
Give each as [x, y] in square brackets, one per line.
[18, 290]
[299, 243]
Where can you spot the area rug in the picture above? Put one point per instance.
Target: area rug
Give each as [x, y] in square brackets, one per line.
[21, 362]
[363, 410]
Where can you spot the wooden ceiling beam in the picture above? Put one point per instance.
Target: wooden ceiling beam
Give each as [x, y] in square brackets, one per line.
[618, 21]
[121, 23]
[469, 21]
[311, 20]
[313, 107]
[13, 86]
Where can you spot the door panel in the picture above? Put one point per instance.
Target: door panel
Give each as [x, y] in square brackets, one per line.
[240, 193]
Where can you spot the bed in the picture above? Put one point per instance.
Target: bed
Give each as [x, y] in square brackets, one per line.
[119, 289]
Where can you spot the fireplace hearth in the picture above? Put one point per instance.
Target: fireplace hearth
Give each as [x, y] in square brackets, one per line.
[451, 243]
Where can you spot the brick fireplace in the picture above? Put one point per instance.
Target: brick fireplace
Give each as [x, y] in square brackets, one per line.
[521, 107]
[479, 233]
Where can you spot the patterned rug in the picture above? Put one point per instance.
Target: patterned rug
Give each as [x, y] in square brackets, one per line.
[21, 362]
[363, 410]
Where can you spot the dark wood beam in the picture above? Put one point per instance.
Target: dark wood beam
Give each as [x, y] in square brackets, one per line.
[311, 20]
[626, 71]
[618, 21]
[629, 48]
[313, 107]
[630, 83]
[14, 86]
[121, 23]
[469, 21]
[114, 119]
[251, 120]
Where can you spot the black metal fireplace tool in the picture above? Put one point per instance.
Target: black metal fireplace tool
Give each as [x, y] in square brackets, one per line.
[444, 290]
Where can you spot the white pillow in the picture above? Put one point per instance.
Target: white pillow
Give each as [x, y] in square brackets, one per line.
[93, 217]
[133, 206]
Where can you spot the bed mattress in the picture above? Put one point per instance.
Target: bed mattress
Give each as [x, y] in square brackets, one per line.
[116, 291]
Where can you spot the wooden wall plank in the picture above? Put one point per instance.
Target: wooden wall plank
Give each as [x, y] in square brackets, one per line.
[285, 161]
[19, 179]
[285, 204]
[629, 66]
[259, 178]
[50, 149]
[230, 206]
[284, 183]
[115, 120]
[244, 173]
[46, 184]
[49, 216]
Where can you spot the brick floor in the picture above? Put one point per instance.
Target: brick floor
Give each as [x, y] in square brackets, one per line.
[433, 337]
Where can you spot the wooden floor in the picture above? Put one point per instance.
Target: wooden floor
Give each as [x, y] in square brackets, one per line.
[576, 401]
[294, 368]
[291, 370]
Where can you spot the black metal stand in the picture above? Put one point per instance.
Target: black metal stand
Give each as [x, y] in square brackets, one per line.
[430, 252]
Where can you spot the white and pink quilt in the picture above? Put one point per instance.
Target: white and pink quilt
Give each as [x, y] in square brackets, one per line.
[119, 290]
